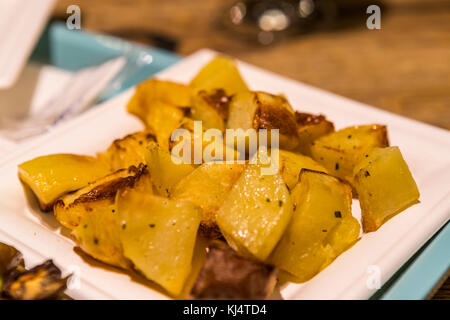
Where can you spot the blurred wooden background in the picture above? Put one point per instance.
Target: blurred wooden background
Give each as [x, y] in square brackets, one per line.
[403, 68]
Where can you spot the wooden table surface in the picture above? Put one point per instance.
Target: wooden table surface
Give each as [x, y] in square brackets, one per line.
[403, 68]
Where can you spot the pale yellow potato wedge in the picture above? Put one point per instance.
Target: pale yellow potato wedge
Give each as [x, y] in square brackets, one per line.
[158, 235]
[255, 213]
[207, 187]
[52, 176]
[340, 151]
[385, 186]
[219, 73]
[322, 226]
[164, 171]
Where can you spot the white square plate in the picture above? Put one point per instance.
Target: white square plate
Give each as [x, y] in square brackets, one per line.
[425, 148]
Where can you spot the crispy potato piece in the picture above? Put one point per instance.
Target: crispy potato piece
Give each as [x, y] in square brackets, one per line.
[322, 226]
[92, 215]
[211, 107]
[340, 151]
[41, 282]
[255, 213]
[219, 73]
[206, 187]
[128, 151]
[152, 90]
[311, 127]
[226, 275]
[385, 186]
[292, 163]
[158, 235]
[52, 176]
[10, 258]
[72, 207]
[260, 110]
[164, 172]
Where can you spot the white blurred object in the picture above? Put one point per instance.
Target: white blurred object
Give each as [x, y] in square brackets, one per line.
[48, 96]
[21, 23]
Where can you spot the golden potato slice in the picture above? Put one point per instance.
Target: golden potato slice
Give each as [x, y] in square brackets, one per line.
[226, 275]
[219, 73]
[340, 151]
[158, 235]
[385, 186]
[255, 213]
[164, 172]
[322, 226]
[128, 151]
[211, 107]
[311, 127]
[72, 207]
[260, 110]
[206, 187]
[52, 176]
[292, 163]
[153, 90]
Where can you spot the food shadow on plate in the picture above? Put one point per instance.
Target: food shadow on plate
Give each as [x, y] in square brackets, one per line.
[47, 219]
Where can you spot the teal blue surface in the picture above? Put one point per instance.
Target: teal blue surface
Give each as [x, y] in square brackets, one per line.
[74, 50]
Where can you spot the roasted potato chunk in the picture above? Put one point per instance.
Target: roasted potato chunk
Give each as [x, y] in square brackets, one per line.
[322, 226]
[164, 172]
[128, 151]
[255, 213]
[340, 151]
[211, 107]
[219, 73]
[41, 282]
[206, 187]
[311, 127]
[92, 215]
[260, 110]
[52, 176]
[152, 90]
[385, 186]
[292, 163]
[71, 208]
[226, 275]
[158, 235]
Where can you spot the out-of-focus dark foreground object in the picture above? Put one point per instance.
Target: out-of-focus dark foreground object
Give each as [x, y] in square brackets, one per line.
[41, 282]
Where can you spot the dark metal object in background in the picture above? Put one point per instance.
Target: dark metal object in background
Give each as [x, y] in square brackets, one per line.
[267, 21]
